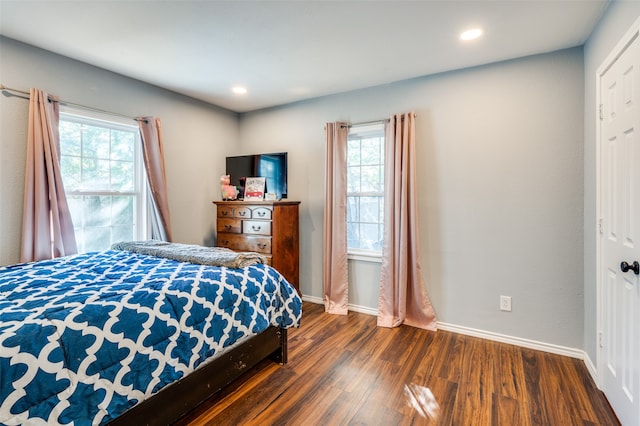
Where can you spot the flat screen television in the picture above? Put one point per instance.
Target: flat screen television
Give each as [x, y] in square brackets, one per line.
[271, 166]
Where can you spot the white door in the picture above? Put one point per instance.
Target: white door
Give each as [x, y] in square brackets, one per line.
[619, 284]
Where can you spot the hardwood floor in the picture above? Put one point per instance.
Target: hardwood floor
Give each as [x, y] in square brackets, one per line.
[345, 370]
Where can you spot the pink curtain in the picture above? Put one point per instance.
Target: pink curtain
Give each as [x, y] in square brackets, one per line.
[334, 272]
[403, 297]
[47, 229]
[153, 153]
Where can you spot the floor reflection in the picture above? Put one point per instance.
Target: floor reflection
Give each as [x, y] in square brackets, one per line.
[421, 399]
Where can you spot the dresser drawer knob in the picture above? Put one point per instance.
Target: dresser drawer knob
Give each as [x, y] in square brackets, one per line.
[225, 242]
[261, 214]
[262, 246]
[225, 213]
[242, 213]
[256, 228]
[228, 227]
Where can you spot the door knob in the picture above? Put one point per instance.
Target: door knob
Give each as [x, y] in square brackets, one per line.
[635, 267]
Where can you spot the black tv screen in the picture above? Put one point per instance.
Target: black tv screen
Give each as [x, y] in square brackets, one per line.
[272, 166]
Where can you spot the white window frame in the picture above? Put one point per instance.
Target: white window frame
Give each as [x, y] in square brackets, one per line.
[142, 225]
[358, 254]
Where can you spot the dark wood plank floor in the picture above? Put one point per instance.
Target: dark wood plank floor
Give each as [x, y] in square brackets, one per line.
[345, 370]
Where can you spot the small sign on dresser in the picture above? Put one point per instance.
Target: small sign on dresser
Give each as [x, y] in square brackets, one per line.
[254, 189]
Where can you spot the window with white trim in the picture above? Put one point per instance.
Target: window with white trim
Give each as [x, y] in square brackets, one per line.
[365, 190]
[104, 180]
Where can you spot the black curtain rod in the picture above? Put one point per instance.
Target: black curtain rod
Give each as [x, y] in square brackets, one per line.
[3, 88]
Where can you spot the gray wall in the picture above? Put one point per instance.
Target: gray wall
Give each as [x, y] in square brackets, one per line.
[500, 174]
[197, 136]
[500, 171]
[615, 23]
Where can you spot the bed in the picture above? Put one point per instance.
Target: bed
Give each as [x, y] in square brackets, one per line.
[126, 337]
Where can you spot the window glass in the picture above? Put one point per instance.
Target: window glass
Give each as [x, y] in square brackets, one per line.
[103, 177]
[365, 188]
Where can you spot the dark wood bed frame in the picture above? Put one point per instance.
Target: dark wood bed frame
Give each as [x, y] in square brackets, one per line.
[178, 398]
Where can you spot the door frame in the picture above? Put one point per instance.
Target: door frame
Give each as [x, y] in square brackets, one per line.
[631, 34]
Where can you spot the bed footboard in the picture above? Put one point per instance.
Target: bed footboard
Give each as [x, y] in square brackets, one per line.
[177, 399]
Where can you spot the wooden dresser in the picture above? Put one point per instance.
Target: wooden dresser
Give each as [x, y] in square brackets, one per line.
[267, 227]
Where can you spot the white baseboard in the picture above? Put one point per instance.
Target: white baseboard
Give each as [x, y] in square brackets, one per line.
[312, 299]
[517, 341]
[354, 308]
[592, 369]
[497, 337]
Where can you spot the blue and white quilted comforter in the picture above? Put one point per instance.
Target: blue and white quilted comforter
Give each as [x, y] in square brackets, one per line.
[84, 338]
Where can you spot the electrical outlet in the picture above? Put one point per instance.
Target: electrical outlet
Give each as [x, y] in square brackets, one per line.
[505, 303]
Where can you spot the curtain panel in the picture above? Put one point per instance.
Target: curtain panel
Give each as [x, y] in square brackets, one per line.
[47, 228]
[334, 272]
[403, 298]
[153, 153]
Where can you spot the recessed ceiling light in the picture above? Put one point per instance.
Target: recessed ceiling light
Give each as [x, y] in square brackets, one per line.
[471, 34]
[239, 90]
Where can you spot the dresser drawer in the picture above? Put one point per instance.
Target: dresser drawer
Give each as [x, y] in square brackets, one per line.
[242, 212]
[225, 211]
[261, 213]
[233, 226]
[256, 227]
[245, 242]
[235, 212]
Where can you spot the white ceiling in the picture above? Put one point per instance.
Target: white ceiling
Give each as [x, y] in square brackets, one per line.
[285, 51]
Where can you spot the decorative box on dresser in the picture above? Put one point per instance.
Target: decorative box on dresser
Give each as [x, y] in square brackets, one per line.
[267, 227]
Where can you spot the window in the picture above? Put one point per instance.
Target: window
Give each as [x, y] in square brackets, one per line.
[103, 176]
[365, 190]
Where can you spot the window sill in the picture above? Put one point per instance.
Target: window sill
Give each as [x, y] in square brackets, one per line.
[365, 256]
